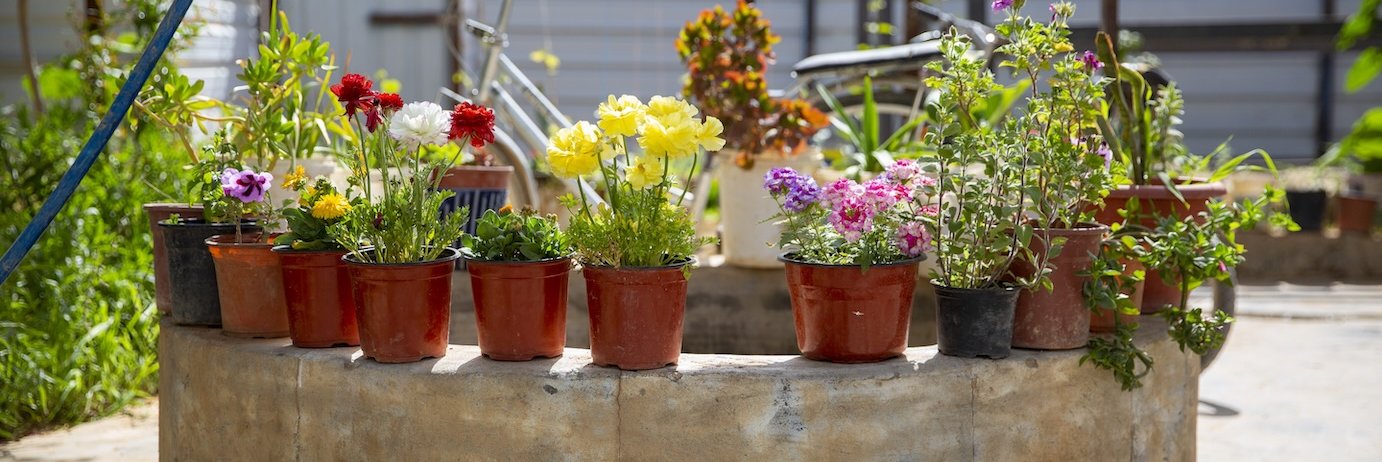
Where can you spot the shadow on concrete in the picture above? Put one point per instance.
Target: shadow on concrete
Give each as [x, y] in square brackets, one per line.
[1212, 409]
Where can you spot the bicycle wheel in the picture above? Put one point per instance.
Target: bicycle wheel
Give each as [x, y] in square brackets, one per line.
[524, 168]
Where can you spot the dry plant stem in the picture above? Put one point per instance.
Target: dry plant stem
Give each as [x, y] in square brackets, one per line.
[26, 55]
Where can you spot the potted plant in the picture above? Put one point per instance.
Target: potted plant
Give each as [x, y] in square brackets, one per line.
[727, 54]
[399, 258]
[1356, 212]
[316, 284]
[476, 184]
[519, 264]
[1307, 194]
[851, 259]
[159, 212]
[637, 249]
[195, 295]
[1066, 162]
[980, 228]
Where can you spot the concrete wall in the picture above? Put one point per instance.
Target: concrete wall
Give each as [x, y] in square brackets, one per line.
[255, 400]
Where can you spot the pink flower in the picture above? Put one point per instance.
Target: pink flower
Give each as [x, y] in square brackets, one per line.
[852, 217]
[839, 190]
[930, 210]
[882, 194]
[912, 239]
[902, 171]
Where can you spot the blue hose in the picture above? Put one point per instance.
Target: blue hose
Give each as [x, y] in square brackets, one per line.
[94, 145]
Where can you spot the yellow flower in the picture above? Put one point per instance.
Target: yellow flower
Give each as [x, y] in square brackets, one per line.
[575, 150]
[295, 179]
[306, 198]
[709, 134]
[644, 173]
[664, 107]
[670, 136]
[620, 117]
[330, 206]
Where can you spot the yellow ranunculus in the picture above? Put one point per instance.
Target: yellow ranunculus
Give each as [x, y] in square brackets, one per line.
[295, 179]
[575, 150]
[619, 117]
[645, 172]
[330, 206]
[708, 136]
[670, 136]
[664, 107]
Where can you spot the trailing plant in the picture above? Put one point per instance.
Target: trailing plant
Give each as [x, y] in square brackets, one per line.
[320, 205]
[726, 56]
[638, 225]
[1109, 288]
[847, 223]
[516, 236]
[1121, 356]
[400, 224]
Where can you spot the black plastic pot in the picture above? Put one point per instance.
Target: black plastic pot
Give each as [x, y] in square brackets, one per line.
[1307, 208]
[191, 272]
[975, 322]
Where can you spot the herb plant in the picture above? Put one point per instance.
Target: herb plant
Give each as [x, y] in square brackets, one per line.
[516, 236]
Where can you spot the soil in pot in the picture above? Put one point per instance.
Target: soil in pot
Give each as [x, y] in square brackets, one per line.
[404, 310]
[192, 273]
[316, 289]
[1057, 319]
[1356, 213]
[1307, 208]
[159, 211]
[844, 314]
[636, 315]
[973, 323]
[249, 279]
[1102, 320]
[520, 307]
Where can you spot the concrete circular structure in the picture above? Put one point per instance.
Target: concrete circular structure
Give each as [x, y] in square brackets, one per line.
[256, 400]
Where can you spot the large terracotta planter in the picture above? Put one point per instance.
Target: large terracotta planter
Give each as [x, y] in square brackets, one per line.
[636, 315]
[192, 273]
[1057, 319]
[973, 323]
[159, 211]
[520, 307]
[747, 234]
[249, 280]
[844, 314]
[404, 310]
[1356, 213]
[1155, 200]
[1103, 321]
[479, 187]
[316, 289]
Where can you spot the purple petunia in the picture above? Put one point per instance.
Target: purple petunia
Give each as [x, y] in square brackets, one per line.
[800, 191]
[247, 185]
[1091, 60]
[1000, 5]
[1106, 153]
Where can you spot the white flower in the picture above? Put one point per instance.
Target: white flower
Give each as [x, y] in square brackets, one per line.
[420, 123]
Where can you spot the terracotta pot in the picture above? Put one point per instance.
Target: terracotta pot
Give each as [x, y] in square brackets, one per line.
[1057, 319]
[479, 187]
[520, 307]
[1102, 321]
[636, 315]
[316, 288]
[404, 309]
[1156, 200]
[249, 280]
[844, 314]
[1356, 213]
[191, 271]
[971, 323]
[159, 211]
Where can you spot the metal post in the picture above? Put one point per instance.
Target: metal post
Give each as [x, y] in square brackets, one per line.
[1108, 15]
[1324, 109]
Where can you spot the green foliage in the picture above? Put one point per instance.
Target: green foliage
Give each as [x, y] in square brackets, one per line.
[869, 153]
[521, 236]
[1109, 288]
[403, 227]
[1120, 355]
[1362, 148]
[320, 205]
[1192, 329]
[641, 229]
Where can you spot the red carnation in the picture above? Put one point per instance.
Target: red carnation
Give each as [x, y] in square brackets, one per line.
[474, 121]
[354, 92]
[390, 101]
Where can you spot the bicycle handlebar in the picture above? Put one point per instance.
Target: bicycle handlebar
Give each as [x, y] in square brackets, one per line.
[981, 33]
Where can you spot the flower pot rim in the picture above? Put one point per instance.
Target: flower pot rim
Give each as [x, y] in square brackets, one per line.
[216, 240]
[1188, 187]
[171, 206]
[481, 168]
[1357, 196]
[1086, 227]
[447, 254]
[470, 260]
[967, 289]
[201, 222]
[688, 261]
[288, 248]
[785, 257]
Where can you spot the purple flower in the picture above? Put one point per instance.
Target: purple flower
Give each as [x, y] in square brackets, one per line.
[1106, 153]
[247, 185]
[912, 239]
[802, 194]
[852, 217]
[1000, 5]
[779, 180]
[1091, 60]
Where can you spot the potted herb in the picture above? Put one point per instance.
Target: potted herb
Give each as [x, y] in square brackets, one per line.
[980, 229]
[851, 259]
[638, 248]
[519, 264]
[399, 258]
[316, 284]
[727, 54]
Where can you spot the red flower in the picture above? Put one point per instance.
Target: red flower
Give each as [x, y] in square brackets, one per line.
[390, 101]
[474, 121]
[354, 92]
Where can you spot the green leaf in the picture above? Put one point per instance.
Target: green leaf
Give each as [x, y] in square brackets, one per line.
[870, 116]
[1364, 70]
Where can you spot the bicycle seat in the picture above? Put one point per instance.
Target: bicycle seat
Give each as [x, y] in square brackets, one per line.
[919, 52]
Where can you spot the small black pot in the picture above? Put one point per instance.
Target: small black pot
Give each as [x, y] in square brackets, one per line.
[191, 272]
[1307, 208]
[975, 322]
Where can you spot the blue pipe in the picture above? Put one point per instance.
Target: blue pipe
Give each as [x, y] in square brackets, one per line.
[94, 145]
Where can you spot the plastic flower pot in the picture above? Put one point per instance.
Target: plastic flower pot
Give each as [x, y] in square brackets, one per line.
[845, 314]
[192, 273]
[479, 187]
[1156, 200]
[316, 288]
[636, 315]
[249, 279]
[1102, 321]
[1057, 319]
[973, 323]
[403, 309]
[520, 307]
[1356, 213]
[1307, 208]
[159, 211]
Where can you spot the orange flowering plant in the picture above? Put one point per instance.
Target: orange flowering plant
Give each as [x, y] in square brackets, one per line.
[726, 56]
